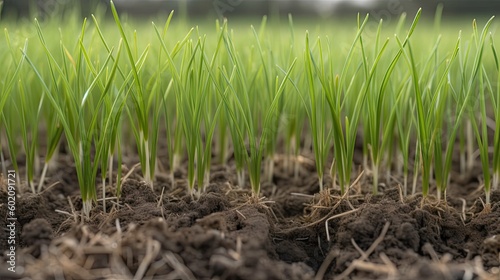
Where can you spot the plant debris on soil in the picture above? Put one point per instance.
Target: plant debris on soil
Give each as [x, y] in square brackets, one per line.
[291, 233]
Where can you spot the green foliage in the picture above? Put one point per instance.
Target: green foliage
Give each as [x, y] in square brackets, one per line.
[242, 95]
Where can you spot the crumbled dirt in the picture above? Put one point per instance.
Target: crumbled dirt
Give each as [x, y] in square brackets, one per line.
[293, 232]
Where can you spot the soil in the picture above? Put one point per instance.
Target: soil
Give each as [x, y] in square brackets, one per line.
[293, 232]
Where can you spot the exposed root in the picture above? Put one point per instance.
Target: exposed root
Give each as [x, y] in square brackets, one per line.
[49, 187]
[74, 258]
[258, 201]
[430, 251]
[129, 173]
[160, 199]
[180, 270]
[326, 200]
[432, 203]
[80, 256]
[108, 217]
[152, 249]
[326, 263]
[486, 209]
[360, 262]
[470, 270]
[241, 214]
[388, 268]
[335, 217]
[73, 216]
[261, 201]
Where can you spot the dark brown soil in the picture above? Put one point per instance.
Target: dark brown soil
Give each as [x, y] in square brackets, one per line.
[165, 233]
